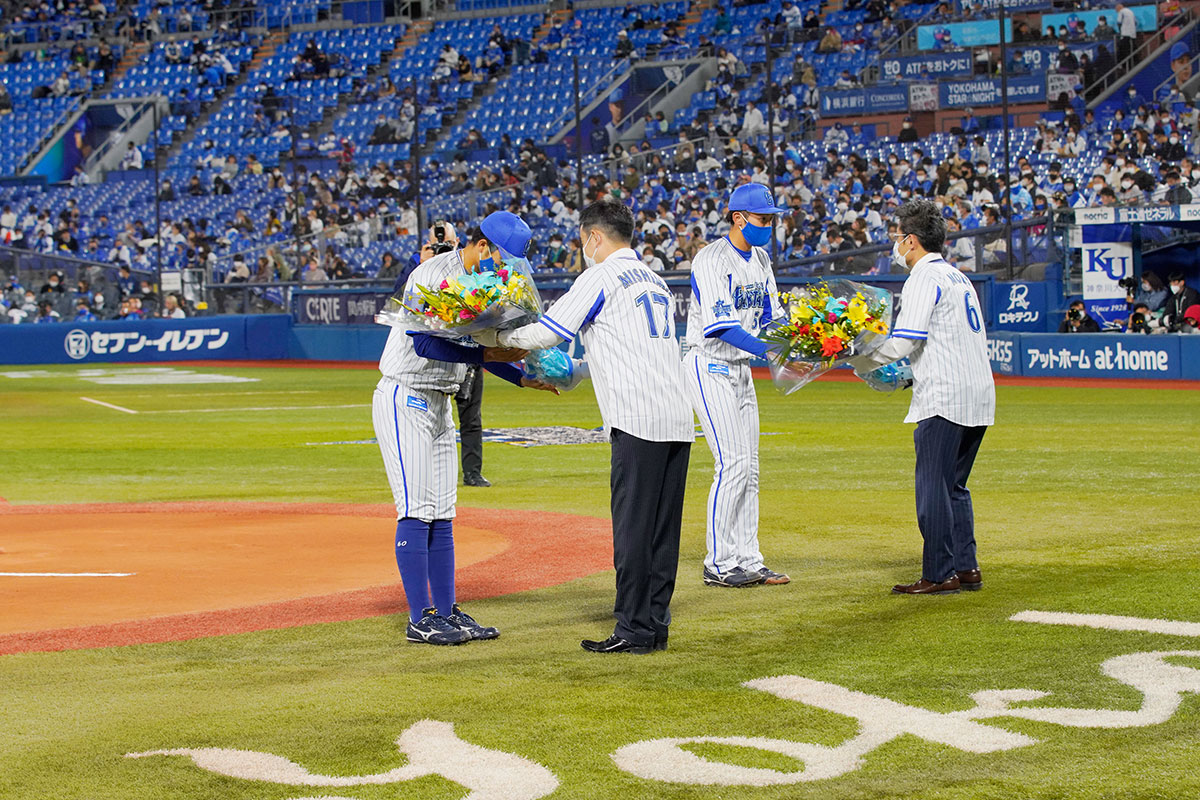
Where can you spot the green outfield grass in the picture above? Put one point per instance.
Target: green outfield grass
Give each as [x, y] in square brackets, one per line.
[1086, 501]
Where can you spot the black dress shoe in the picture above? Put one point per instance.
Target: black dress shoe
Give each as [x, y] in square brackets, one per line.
[615, 644]
[660, 644]
[475, 479]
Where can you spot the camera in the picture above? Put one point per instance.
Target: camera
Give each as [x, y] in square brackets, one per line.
[441, 233]
[1074, 314]
[1137, 323]
[1130, 285]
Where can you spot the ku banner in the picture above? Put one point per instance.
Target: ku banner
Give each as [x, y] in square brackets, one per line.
[1104, 265]
[1146, 16]
[986, 91]
[200, 338]
[875, 100]
[952, 35]
[930, 66]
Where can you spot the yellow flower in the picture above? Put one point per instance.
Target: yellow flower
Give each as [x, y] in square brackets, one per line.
[856, 311]
[878, 326]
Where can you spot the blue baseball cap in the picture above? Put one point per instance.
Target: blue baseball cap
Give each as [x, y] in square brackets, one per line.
[755, 198]
[1178, 50]
[508, 232]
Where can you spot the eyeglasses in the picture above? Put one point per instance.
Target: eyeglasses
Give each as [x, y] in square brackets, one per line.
[896, 237]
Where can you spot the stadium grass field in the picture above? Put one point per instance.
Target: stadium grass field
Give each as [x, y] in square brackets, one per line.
[1085, 501]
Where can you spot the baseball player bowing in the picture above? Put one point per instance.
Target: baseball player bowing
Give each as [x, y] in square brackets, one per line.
[733, 298]
[940, 329]
[415, 429]
[623, 314]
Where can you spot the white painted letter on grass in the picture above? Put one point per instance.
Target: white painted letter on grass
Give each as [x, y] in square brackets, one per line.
[432, 749]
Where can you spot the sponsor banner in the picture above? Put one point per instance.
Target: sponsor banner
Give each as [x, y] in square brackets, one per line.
[337, 307]
[1004, 351]
[930, 65]
[923, 97]
[1020, 306]
[1095, 216]
[986, 91]
[875, 100]
[968, 6]
[1189, 357]
[1149, 214]
[1045, 59]
[1101, 355]
[228, 337]
[978, 33]
[1104, 264]
[1146, 16]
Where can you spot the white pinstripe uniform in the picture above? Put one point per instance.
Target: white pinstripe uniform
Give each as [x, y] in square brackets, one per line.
[411, 413]
[952, 375]
[624, 317]
[729, 290]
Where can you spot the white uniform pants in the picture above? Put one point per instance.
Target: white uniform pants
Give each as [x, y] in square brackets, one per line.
[415, 430]
[722, 393]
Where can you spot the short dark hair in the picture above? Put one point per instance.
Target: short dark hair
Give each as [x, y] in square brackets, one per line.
[923, 219]
[1175, 276]
[613, 218]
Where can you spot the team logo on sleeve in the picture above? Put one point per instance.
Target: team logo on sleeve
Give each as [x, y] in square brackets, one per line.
[721, 309]
[718, 369]
[417, 403]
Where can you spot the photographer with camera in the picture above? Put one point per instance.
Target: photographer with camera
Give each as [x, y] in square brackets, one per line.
[1078, 321]
[469, 400]
[1141, 320]
[1182, 298]
[1149, 290]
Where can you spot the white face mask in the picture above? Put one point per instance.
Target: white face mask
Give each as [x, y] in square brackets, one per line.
[590, 261]
[898, 257]
[1126, 184]
[1174, 140]
[1176, 288]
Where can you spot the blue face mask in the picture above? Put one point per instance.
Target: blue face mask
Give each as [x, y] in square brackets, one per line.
[487, 264]
[756, 235]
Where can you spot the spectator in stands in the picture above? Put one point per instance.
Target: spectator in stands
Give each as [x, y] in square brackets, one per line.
[1130, 194]
[46, 312]
[831, 42]
[1181, 299]
[312, 271]
[1176, 193]
[1191, 320]
[83, 311]
[166, 192]
[1126, 32]
[1103, 30]
[6, 105]
[908, 133]
[625, 48]
[753, 123]
[132, 158]
[1077, 320]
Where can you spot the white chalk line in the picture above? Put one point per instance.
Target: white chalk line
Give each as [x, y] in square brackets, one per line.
[67, 574]
[108, 405]
[1110, 622]
[240, 409]
[203, 394]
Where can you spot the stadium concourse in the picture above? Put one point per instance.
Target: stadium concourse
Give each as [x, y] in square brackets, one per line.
[287, 153]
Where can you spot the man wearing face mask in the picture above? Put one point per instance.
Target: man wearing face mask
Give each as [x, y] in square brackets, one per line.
[940, 329]
[415, 429]
[1182, 298]
[733, 297]
[623, 315]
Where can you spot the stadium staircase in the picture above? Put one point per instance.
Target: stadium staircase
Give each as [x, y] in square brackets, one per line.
[265, 50]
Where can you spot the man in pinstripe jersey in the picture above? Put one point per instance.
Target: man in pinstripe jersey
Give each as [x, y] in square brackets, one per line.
[733, 298]
[940, 329]
[415, 429]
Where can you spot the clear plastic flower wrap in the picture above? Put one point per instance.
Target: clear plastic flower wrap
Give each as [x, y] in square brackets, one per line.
[889, 377]
[468, 304]
[554, 367]
[823, 326]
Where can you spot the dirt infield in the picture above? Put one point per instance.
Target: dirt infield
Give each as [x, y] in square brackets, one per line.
[160, 572]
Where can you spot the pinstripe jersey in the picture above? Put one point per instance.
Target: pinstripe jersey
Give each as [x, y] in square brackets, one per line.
[951, 371]
[729, 290]
[624, 316]
[400, 361]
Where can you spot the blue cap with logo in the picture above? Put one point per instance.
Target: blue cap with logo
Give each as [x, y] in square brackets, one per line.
[755, 198]
[508, 232]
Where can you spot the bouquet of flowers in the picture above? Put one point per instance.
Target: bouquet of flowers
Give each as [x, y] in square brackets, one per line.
[468, 304]
[823, 326]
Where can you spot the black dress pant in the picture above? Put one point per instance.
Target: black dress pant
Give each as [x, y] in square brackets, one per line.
[470, 421]
[648, 480]
[945, 454]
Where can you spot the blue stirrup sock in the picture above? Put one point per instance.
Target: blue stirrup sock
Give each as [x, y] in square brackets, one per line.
[412, 558]
[441, 565]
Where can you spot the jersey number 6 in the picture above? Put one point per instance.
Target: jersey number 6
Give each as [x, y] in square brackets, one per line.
[972, 312]
[647, 300]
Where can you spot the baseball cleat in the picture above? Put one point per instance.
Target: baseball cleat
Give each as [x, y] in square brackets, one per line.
[734, 578]
[465, 622]
[433, 628]
[773, 578]
[475, 479]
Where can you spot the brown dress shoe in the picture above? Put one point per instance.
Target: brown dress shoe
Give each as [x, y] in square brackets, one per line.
[971, 579]
[950, 586]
